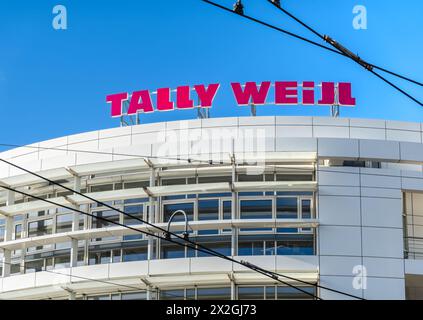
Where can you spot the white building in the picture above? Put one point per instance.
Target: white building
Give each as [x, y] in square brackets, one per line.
[332, 201]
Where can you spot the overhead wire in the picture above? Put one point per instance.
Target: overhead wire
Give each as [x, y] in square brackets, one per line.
[327, 48]
[191, 244]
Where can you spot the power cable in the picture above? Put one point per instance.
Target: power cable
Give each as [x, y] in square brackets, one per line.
[349, 54]
[321, 36]
[192, 245]
[197, 246]
[344, 53]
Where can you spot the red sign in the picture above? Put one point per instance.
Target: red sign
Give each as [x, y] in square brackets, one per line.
[284, 92]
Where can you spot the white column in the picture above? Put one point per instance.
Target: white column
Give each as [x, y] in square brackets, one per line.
[233, 288]
[75, 225]
[7, 254]
[151, 219]
[72, 295]
[234, 215]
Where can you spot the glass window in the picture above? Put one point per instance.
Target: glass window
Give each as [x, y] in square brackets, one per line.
[101, 257]
[134, 296]
[103, 187]
[208, 210]
[40, 228]
[250, 247]
[171, 251]
[36, 214]
[306, 208]
[169, 209]
[294, 177]
[102, 297]
[269, 177]
[107, 214]
[299, 245]
[294, 193]
[215, 195]
[250, 177]
[287, 208]
[64, 223]
[15, 268]
[221, 247]
[256, 209]
[270, 248]
[270, 293]
[227, 213]
[178, 294]
[2, 230]
[173, 182]
[62, 261]
[250, 293]
[214, 293]
[134, 254]
[63, 245]
[289, 293]
[116, 255]
[306, 212]
[34, 266]
[135, 211]
[190, 294]
[227, 210]
[136, 184]
[250, 194]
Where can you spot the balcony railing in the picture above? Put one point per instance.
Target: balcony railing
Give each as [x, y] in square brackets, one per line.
[413, 248]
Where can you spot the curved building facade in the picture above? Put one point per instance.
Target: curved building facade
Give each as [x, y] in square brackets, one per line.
[334, 202]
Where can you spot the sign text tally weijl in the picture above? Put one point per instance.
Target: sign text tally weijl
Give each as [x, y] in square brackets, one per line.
[285, 93]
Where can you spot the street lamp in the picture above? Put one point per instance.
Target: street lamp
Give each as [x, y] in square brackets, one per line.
[185, 234]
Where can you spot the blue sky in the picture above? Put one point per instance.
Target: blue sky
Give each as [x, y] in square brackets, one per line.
[54, 82]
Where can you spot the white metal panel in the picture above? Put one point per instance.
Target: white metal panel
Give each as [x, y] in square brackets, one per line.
[376, 149]
[108, 195]
[336, 210]
[340, 283]
[290, 131]
[331, 121]
[109, 167]
[402, 125]
[340, 240]
[382, 212]
[296, 145]
[331, 132]
[338, 266]
[344, 148]
[377, 289]
[367, 123]
[37, 205]
[367, 133]
[294, 120]
[383, 242]
[403, 135]
[257, 121]
[383, 267]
